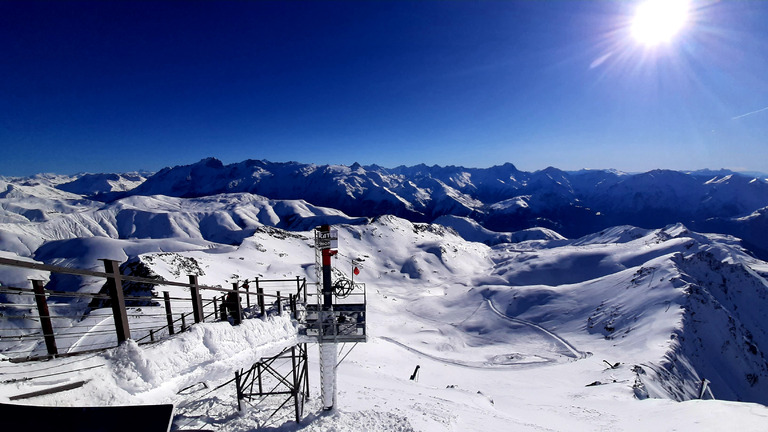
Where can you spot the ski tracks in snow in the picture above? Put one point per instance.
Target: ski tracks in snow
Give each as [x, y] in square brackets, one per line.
[576, 353]
[472, 365]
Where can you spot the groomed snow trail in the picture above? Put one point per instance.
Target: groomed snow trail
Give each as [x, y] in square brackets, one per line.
[576, 353]
[485, 365]
[570, 350]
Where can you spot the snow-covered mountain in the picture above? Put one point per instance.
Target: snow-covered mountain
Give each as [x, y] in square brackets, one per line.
[27, 222]
[523, 327]
[751, 228]
[500, 198]
[514, 333]
[96, 184]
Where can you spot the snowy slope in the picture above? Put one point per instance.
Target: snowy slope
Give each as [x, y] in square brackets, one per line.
[751, 228]
[224, 219]
[508, 328]
[500, 198]
[96, 184]
[470, 230]
[506, 336]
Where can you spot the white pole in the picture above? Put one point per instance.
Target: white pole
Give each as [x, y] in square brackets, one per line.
[328, 374]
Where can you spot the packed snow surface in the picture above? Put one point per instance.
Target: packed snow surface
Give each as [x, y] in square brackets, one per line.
[612, 331]
[525, 330]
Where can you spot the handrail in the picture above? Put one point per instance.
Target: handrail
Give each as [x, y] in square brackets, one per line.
[114, 283]
[82, 272]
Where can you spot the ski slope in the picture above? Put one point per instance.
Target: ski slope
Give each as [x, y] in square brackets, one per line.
[512, 336]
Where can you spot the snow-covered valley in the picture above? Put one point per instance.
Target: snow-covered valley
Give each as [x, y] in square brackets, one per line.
[525, 330]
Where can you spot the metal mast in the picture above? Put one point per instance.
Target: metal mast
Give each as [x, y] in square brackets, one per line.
[338, 315]
[324, 240]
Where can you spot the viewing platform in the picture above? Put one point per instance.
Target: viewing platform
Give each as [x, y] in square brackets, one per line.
[344, 321]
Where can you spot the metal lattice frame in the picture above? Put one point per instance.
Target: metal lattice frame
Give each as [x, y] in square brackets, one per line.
[268, 380]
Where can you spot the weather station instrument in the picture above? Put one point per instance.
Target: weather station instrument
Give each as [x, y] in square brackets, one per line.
[338, 316]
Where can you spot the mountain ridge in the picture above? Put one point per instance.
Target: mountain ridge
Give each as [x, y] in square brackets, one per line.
[500, 198]
[671, 306]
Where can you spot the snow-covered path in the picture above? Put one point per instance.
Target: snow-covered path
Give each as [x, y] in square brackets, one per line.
[467, 364]
[500, 347]
[576, 353]
[522, 343]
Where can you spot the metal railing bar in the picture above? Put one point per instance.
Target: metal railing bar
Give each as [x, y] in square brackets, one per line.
[83, 272]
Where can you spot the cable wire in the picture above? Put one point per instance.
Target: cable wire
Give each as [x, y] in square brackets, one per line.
[49, 367]
[49, 375]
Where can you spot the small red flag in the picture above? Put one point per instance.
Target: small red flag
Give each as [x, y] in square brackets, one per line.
[356, 271]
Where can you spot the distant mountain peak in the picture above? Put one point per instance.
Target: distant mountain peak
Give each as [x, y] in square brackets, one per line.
[500, 198]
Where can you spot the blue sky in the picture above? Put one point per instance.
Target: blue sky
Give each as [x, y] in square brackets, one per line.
[114, 87]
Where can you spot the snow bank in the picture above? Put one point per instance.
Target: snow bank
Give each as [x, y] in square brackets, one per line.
[206, 355]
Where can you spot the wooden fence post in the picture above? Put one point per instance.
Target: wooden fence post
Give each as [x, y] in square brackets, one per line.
[115, 288]
[247, 295]
[45, 316]
[223, 308]
[260, 298]
[168, 312]
[279, 304]
[197, 302]
[237, 318]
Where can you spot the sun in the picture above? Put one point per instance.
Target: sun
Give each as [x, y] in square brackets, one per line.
[658, 21]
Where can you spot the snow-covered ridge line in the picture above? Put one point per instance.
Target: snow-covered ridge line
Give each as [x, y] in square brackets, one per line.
[632, 286]
[664, 307]
[501, 198]
[27, 222]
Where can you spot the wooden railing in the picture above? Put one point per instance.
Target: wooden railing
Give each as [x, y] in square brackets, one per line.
[155, 318]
